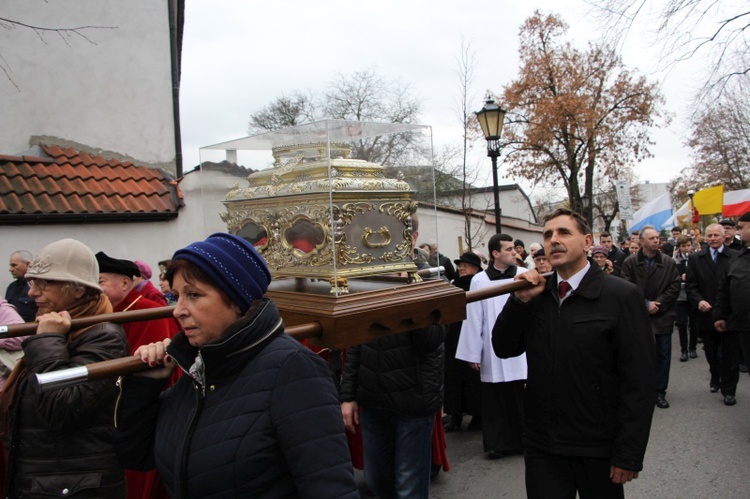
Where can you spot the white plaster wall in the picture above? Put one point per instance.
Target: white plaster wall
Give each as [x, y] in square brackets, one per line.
[444, 227]
[114, 94]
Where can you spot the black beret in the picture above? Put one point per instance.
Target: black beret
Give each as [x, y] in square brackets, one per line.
[518, 242]
[745, 217]
[727, 221]
[539, 253]
[111, 265]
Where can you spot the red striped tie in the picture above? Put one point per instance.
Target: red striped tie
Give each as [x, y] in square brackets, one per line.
[564, 288]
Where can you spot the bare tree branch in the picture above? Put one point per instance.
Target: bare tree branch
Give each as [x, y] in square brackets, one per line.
[64, 33]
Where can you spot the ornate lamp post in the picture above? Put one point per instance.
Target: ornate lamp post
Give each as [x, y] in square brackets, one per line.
[491, 118]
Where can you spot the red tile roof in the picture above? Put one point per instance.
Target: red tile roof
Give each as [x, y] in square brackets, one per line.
[72, 186]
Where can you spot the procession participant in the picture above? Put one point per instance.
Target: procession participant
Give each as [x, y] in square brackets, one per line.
[462, 384]
[599, 255]
[685, 316]
[502, 379]
[438, 259]
[17, 293]
[614, 254]
[533, 248]
[273, 399]
[397, 382]
[705, 269]
[541, 264]
[589, 392]
[116, 279]
[731, 312]
[144, 286]
[10, 348]
[62, 441]
[656, 274]
[731, 240]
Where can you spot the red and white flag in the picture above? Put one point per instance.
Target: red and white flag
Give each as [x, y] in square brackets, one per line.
[736, 203]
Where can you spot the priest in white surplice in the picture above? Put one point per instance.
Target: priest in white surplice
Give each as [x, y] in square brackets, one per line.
[502, 379]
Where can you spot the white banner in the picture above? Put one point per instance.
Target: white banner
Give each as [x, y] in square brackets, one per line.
[623, 198]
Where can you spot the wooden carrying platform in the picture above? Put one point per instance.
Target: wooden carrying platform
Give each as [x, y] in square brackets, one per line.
[373, 308]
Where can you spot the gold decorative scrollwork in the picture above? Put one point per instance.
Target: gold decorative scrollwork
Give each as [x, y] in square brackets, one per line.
[383, 232]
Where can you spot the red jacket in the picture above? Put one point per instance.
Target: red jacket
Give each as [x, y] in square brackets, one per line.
[146, 485]
[145, 332]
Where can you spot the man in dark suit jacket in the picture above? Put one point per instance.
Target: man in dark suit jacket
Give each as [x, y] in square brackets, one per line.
[589, 394]
[704, 271]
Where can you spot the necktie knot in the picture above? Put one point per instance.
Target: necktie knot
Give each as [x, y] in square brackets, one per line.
[564, 288]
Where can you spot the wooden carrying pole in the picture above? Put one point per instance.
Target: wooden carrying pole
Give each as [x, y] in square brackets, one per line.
[128, 365]
[15, 330]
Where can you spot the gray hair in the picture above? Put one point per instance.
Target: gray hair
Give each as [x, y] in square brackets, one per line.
[24, 255]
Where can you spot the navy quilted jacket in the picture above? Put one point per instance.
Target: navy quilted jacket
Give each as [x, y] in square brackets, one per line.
[265, 423]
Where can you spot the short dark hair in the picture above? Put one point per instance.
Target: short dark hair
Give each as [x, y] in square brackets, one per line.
[494, 243]
[604, 234]
[675, 228]
[583, 225]
[644, 229]
[683, 239]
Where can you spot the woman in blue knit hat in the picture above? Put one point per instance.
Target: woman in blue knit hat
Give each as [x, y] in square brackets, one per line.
[257, 414]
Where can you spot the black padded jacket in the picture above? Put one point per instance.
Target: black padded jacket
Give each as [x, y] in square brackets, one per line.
[62, 441]
[264, 422]
[402, 373]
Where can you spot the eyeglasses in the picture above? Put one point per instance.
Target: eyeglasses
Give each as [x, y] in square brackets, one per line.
[40, 284]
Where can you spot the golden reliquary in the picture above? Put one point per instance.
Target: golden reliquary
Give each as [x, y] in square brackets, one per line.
[318, 213]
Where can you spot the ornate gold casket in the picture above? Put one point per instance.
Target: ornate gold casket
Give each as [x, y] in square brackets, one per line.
[337, 231]
[318, 213]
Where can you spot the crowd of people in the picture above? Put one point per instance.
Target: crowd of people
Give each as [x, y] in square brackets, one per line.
[566, 371]
[253, 413]
[597, 350]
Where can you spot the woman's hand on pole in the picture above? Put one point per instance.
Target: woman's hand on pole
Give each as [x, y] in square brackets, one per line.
[155, 355]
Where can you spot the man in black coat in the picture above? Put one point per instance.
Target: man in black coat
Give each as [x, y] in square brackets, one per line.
[704, 271]
[656, 274]
[397, 381]
[590, 352]
[732, 312]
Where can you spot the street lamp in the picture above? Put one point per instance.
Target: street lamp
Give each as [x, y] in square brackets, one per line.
[491, 118]
[585, 205]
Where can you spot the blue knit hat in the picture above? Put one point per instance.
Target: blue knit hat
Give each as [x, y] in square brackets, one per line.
[233, 263]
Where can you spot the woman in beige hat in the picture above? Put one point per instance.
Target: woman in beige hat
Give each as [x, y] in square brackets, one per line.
[61, 442]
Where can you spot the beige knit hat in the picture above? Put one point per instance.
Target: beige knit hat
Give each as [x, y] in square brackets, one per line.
[66, 260]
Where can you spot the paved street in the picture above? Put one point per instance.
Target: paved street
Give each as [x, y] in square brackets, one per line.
[699, 448]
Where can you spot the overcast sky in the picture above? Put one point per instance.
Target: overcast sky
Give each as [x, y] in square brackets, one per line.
[238, 55]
